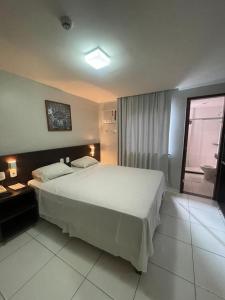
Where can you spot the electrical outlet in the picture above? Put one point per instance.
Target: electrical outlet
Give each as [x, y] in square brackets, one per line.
[61, 160]
[67, 159]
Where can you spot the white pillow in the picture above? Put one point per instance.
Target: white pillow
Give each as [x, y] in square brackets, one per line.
[51, 171]
[84, 162]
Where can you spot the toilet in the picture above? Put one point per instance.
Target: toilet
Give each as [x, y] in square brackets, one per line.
[209, 173]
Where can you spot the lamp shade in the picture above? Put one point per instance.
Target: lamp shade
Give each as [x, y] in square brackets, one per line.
[92, 147]
[2, 176]
[12, 168]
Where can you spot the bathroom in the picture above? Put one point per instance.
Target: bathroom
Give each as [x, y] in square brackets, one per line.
[203, 139]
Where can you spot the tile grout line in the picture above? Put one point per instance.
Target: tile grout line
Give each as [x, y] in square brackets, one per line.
[69, 265]
[180, 219]
[192, 254]
[86, 279]
[185, 220]
[194, 246]
[189, 206]
[97, 260]
[188, 211]
[32, 277]
[171, 272]
[99, 288]
[54, 255]
[139, 279]
[78, 288]
[208, 251]
[42, 244]
[18, 247]
[172, 237]
[191, 243]
[210, 292]
[210, 227]
[16, 250]
[198, 285]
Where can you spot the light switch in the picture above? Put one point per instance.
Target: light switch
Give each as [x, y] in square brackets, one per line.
[61, 160]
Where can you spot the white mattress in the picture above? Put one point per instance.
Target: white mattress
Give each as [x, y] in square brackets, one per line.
[111, 207]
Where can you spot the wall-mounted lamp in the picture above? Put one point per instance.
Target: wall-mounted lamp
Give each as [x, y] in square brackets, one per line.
[12, 168]
[92, 147]
[2, 176]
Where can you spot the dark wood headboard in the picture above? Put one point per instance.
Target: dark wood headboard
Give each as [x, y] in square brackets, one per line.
[27, 162]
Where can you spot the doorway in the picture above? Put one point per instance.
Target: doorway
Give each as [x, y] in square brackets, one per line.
[204, 123]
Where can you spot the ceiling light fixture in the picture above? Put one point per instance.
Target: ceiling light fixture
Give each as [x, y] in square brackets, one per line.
[97, 58]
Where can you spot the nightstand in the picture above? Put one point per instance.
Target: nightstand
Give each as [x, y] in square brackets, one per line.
[18, 210]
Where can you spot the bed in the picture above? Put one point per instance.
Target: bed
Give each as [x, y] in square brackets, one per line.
[111, 207]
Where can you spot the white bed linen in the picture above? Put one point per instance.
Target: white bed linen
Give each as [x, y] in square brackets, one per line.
[111, 207]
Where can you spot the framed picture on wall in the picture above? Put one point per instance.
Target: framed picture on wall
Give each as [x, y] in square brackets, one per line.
[58, 116]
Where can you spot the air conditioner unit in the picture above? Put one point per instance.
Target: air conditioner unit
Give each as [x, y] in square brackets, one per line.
[109, 116]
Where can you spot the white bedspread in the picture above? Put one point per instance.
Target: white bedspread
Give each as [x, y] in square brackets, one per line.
[111, 207]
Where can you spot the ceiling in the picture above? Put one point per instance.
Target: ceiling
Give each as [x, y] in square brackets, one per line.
[153, 44]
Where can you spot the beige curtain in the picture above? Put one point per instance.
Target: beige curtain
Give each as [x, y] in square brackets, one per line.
[143, 130]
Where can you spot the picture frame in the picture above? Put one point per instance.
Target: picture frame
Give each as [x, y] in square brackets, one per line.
[58, 116]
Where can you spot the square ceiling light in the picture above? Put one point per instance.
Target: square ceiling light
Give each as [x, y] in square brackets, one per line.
[97, 59]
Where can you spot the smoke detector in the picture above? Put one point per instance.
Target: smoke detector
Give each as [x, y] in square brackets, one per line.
[66, 22]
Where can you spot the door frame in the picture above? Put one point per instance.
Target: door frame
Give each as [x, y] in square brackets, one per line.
[189, 99]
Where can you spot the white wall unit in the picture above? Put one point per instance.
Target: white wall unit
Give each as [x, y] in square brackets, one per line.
[109, 116]
[108, 132]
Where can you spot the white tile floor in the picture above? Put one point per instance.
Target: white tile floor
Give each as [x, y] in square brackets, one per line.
[188, 264]
[196, 184]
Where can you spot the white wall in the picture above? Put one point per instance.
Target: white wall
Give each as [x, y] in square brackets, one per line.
[178, 112]
[23, 125]
[108, 135]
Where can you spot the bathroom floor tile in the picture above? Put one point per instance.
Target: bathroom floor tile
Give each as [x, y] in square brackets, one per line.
[195, 183]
